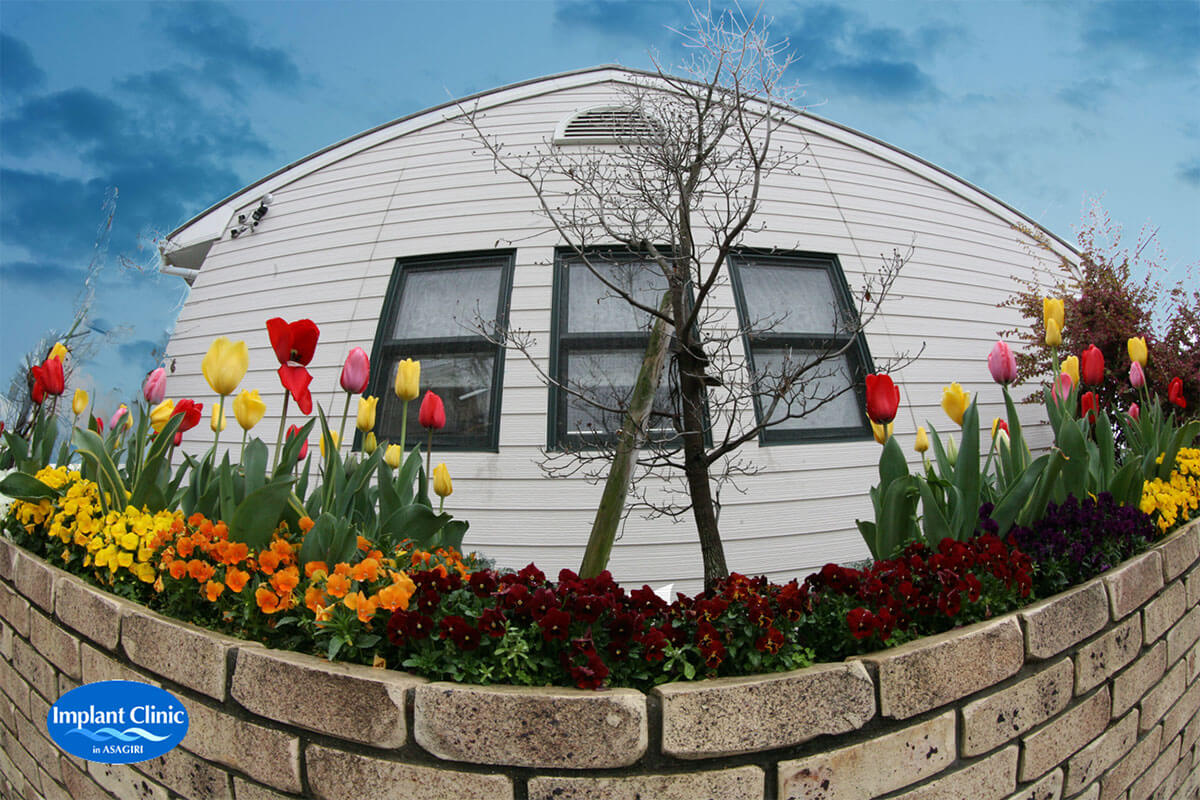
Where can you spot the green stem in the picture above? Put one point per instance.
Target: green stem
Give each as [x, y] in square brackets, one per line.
[217, 427]
[282, 426]
[441, 504]
[403, 427]
[242, 455]
[345, 413]
[429, 458]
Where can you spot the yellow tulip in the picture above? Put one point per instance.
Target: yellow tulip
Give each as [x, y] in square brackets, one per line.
[955, 402]
[996, 426]
[442, 486]
[225, 365]
[332, 435]
[408, 379]
[1070, 365]
[161, 413]
[1137, 350]
[366, 413]
[1052, 309]
[59, 351]
[392, 456]
[922, 443]
[370, 443]
[1053, 334]
[79, 402]
[882, 434]
[218, 419]
[248, 408]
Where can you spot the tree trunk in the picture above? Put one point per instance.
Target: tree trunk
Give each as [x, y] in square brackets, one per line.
[629, 439]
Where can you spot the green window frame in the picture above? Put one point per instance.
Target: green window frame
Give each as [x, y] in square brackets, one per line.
[792, 303]
[458, 363]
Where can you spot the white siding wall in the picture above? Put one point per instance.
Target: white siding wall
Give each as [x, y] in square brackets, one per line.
[327, 249]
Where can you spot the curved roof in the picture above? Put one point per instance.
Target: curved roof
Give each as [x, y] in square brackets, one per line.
[189, 242]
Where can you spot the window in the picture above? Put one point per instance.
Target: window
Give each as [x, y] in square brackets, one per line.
[434, 312]
[794, 308]
[599, 341]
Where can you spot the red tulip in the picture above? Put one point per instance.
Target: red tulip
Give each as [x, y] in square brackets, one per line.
[191, 412]
[1091, 366]
[1175, 392]
[1134, 411]
[291, 433]
[1002, 364]
[99, 424]
[1088, 406]
[49, 376]
[37, 391]
[294, 344]
[356, 371]
[433, 413]
[883, 398]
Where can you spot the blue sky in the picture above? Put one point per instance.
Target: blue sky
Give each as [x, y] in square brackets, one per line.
[173, 106]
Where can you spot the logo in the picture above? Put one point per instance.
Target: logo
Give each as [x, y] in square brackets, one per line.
[117, 722]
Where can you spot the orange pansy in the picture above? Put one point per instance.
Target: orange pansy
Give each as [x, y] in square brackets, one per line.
[267, 600]
[178, 569]
[236, 579]
[314, 599]
[213, 589]
[365, 570]
[337, 585]
[313, 566]
[268, 561]
[285, 580]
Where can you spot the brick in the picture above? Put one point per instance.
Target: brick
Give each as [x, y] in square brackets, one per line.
[39, 709]
[1158, 772]
[99, 666]
[1133, 583]
[1100, 659]
[1192, 659]
[34, 579]
[1138, 678]
[264, 754]
[7, 555]
[15, 687]
[531, 726]
[15, 610]
[342, 775]
[37, 671]
[59, 647]
[89, 611]
[1092, 793]
[993, 720]
[1090, 763]
[186, 775]
[1048, 788]
[1159, 700]
[183, 653]
[1184, 710]
[1163, 611]
[1065, 735]
[52, 789]
[1129, 768]
[992, 777]
[936, 670]
[125, 782]
[1193, 586]
[6, 638]
[1177, 777]
[25, 763]
[80, 785]
[1191, 732]
[1066, 619]
[743, 715]
[44, 751]
[873, 766]
[1183, 635]
[1179, 551]
[737, 783]
[343, 700]
[245, 790]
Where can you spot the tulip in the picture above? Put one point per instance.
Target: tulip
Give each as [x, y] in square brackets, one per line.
[922, 443]
[292, 432]
[408, 379]
[1002, 364]
[1137, 378]
[366, 413]
[392, 455]
[218, 419]
[998, 425]
[161, 413]
[1070, 366]
[1091, 366]
[48, 378]
[1053, 311]
[433, 413]
[955, 402]
[225, 365]
[356, 371]
[248, 408]
[1137, 350]
[37, 391]
[1002, 438]
[1175, 392]
[1053, 334]
[116, 418]
[155, 387]
[99, 424]
[882, 431]
[442, 486]
[294, 344]
[370, 443]
[59, 351]
[951, 451]
[335, 440]
[191, 412]
[1062, 388]
[1088, 406]
[79, 402]
[1134, 411]
[883, 398]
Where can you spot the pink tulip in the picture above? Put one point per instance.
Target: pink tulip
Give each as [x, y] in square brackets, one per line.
[116, 418]
[1062, 387]
[1134, 411]
[356, 371]
[155, 387]
[1137, 378]
[1002, 363]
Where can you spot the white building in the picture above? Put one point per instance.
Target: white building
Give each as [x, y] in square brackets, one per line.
[391, 239]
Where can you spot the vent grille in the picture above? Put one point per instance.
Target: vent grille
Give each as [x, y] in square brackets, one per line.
[610, 124]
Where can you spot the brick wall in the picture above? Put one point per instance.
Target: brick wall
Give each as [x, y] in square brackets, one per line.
[1092, 694]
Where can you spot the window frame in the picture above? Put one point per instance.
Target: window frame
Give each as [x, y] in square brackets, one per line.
[385, 349]
[859, 352]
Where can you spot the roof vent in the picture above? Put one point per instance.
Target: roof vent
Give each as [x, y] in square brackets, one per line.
[605, 125]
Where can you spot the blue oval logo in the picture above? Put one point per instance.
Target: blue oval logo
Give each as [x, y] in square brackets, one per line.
[117, 722]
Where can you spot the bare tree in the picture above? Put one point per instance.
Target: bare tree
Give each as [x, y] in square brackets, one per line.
[673, 197]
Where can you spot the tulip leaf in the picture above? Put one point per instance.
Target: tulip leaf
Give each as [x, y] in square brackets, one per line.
[225, 484]
[358, 480]
[257, 517]
[898, 524]
[1018, 449]
[291, 450]
[1126, 485]
[1074, 448]
[452, 534]
[254, 463]
[416, 522]
[1049, 486]
[408, 474]
[933, 520]
[91, 448]
[17, 446]
[150, 476]
[20, 486]
[1005, 512]
[892, 464]
[1105, 450]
